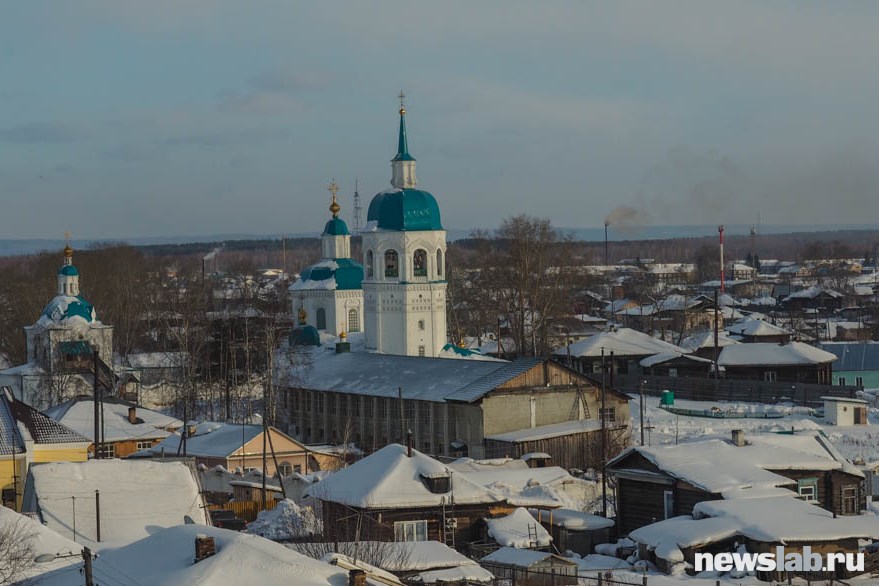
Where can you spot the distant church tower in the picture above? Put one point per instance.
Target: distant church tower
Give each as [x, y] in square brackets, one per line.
[404, 256]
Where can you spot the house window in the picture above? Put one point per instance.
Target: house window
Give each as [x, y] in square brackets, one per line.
[672, 372]
[285, 469]
[144, 445]
[410, 531]
[608, 415]
[419, 263]
[807, 488]
[107, 451]
[421, 351]
[353, 321]
[369, 265]
[668, 504]
[769, 376]
[392, 265]
[321, 318]
[439, 263]
[849, 500]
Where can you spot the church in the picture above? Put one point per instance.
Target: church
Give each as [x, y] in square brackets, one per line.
[370, 362]
[61, 346]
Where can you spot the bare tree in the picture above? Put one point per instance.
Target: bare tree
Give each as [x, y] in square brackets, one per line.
[17, 549]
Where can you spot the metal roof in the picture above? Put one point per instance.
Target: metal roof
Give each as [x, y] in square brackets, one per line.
[424, 379]
[42, 428]
[11, 441]
[853, 356]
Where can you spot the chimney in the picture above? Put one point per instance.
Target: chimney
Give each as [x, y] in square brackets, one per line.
[204, 547]
[356, 577]
[738, 437]
[132, 415]
[409, 443]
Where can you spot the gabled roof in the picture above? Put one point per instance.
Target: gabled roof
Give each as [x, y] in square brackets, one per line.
[215, 440]
[769, 354]
[706, 340]
[756, 328]
[42, 428]
[79, 415]
[420, 378]
[622, 342]
[389, 479]
[853, 355]
[11, 441]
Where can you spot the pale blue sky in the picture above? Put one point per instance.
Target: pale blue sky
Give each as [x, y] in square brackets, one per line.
[176, 117]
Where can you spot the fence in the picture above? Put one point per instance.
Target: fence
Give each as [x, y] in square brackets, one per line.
[244, 510]
[531, 577]
[752, 391]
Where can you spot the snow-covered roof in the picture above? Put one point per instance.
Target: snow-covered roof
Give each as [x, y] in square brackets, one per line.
[46, 542]
[518, 529]
[143, 360]
[211, 440]
[65, 310]
[11, 441]
[666, 538]
[785, 519]
[744, 468]
[389, 479]
[769, 354]
[517, 483]
[622, 342]
[813, 292]
[420, 378]
[79, 415]
[755, 328]
[706, 340]
[521, 558]
[40, 428]
[547, 431]
[136, 497]
[165, 558]
[469, 574]
[572, 520]
[667, 356]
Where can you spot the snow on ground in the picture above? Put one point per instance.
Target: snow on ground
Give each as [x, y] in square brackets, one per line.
[137, 498]
[166, 558]
[286, 521]
[859, 443]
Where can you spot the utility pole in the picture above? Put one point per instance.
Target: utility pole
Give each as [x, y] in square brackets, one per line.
[98, 516]
[641, 407]
[716, 344]
[95, 399]
[87, 558]
[402, 416]
[601, 415]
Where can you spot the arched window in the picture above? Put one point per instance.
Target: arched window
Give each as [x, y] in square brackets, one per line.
[419, 263]
[321, 316]
[392, 264]
[353, 321]
[439, 263]
[369, 264]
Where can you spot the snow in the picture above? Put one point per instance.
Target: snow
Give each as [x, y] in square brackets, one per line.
[755, 328]
[706, 340]
[45, 542]
[666, 356]
[518, 529]
[211, 440]
[596, 562]
[622, 342]
[390, 479]
[79, 415]
[572, 520]
[137, 497]
[768, 354]
[461, 574]
[286, 521]
[165, 558]
[666, 538]
[143, 360]
[784, 519]
[547, 431]
[314, 285]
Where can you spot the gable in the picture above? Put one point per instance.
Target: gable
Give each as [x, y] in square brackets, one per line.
[282, 444]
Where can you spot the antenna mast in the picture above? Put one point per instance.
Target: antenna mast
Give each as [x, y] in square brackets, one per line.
[358, 209]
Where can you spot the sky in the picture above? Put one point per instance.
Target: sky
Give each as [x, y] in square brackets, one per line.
[123, 119]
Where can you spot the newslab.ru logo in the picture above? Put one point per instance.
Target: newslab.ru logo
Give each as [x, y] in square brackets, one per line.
[779, 561]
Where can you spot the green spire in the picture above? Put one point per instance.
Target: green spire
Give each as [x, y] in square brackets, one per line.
[402, 142]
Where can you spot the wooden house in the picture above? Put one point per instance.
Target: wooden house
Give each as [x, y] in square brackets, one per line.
[795, 362]
[656, 483]
[526, 567]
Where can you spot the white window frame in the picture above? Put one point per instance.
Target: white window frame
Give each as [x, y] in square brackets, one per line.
[668, 504]
[410, 530]
[808, 489]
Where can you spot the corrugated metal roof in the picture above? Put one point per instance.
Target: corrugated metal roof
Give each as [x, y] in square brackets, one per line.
[853, 356]
[424, 379]
[44, 429]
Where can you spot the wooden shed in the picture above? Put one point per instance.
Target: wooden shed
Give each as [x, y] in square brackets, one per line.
[527, 567]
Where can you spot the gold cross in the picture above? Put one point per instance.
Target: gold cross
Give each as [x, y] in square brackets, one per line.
[402, 97]
[67, 238]
[333, 188]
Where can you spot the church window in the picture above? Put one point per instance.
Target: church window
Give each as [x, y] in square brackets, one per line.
[421, 324]
[369, 264]
[392, 266]
[421, 351]
[353, 321]
[419, 263]
[439, 263]
[321, 315]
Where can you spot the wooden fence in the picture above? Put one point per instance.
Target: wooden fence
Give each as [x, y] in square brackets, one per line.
[245, 510]
[751, 391]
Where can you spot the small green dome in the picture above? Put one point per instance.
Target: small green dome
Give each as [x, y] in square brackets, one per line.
[64, 307]
[330, 274]
[68, 271]
[305, 336]
[336, 227]
[404, 209]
